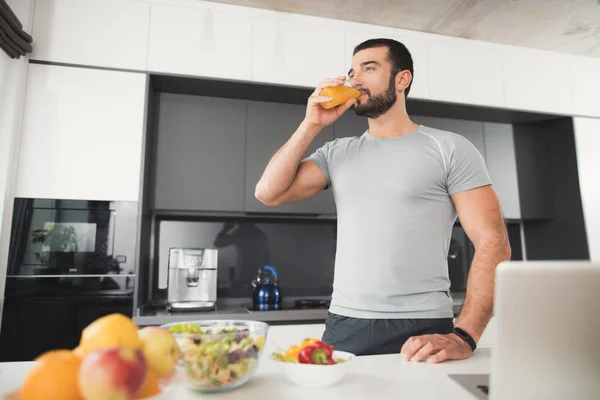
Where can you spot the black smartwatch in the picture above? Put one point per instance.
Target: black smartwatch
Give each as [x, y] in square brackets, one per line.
[466, 337]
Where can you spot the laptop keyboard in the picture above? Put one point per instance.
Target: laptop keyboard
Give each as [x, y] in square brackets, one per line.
[484, 388]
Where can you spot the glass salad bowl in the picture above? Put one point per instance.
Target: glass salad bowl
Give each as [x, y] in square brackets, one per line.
[219, 355]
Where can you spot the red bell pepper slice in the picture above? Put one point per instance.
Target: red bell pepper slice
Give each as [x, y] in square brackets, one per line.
[318, 353]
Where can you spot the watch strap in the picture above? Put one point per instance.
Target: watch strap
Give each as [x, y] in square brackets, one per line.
[466, 337]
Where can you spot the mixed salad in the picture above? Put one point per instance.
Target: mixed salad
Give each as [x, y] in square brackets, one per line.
[219, 357]
[309, 351]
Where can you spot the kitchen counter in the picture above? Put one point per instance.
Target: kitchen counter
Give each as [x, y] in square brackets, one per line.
[380, 377]
[233, 310]
[288, 316]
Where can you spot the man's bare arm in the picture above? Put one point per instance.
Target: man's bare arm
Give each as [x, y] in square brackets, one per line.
[287, 177]
[481, 218]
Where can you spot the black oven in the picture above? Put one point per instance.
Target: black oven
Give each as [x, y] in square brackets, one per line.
[72, 237]
[70, 262]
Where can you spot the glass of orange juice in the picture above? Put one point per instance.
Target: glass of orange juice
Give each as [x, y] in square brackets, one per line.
[339, 94]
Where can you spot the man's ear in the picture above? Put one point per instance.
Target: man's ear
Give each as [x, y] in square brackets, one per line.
[403, 79]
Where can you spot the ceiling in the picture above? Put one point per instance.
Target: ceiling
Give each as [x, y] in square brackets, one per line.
[568, 26]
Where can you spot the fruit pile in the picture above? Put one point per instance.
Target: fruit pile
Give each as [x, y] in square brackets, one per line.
[309, 351]
[114, 360]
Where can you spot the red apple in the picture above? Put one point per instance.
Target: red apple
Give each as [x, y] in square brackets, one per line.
[160, 349]
[112, 374]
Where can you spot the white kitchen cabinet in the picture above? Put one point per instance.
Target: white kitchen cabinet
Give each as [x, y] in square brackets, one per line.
[502, 166]
[93, 32]
[536, 80]
[587, 142]
[413, 41]
[82, 134]
[297, 51]
[585, 83]
[466, 72]
[200, 42]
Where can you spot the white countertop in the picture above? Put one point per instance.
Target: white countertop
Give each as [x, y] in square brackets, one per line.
[380, 377]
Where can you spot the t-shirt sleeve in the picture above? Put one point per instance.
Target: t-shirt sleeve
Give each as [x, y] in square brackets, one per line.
[466, 169]
[321, 158]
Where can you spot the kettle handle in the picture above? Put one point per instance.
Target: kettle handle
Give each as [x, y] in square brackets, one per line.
[271, 269]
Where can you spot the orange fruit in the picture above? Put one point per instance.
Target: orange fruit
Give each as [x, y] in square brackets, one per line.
[53, 377]
[78, 352]
[114, 330]
[150, 386]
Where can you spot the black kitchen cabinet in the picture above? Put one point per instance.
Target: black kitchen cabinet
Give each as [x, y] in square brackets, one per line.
[472, 130]
[34, 325]
[350, 124]
[200, 155]
[269, 126]
[502, 167]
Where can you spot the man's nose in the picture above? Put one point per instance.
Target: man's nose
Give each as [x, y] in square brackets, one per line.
[355, 82]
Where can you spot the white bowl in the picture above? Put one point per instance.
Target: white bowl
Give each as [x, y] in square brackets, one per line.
[313, 375]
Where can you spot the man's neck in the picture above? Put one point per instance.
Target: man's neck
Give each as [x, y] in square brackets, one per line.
[395, 122]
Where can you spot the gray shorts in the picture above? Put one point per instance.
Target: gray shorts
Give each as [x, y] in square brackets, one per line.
[378, 336]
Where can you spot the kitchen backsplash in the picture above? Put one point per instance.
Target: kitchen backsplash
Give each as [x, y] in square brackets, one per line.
[302, 251]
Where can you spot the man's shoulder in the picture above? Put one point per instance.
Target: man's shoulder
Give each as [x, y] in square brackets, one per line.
[447, 140]
[341, 144]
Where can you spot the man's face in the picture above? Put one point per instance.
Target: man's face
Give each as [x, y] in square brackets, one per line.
[371, 74]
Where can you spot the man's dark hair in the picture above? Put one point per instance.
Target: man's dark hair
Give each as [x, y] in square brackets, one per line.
[398, 56]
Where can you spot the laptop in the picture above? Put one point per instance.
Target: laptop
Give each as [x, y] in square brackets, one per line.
[547, 342]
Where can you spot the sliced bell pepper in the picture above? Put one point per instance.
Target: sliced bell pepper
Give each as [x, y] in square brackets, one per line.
[319, 353]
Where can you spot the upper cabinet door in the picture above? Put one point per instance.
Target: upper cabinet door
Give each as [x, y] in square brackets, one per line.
[502, 166]
[200, 42]
[413, 41]
[465, 72]
[99, 33]
[269, 126]
[300, 51]
[585, 81]
[82, 134]
[537, 80]
[200, 157]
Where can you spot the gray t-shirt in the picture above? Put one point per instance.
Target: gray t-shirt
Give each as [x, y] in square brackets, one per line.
[395, 218]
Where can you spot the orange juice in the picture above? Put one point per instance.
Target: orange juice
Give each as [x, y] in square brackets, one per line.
[339, 94]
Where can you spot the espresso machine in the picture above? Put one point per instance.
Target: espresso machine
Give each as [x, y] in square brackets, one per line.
[192, 281]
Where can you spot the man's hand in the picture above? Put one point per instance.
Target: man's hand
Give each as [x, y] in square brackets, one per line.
[318, 116]
[438, 347]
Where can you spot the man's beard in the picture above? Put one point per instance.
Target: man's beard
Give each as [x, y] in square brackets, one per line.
[378, 105]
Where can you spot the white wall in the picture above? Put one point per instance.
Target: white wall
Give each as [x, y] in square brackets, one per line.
[587, 142]
[13, 75]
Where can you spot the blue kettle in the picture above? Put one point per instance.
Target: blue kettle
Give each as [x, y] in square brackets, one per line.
[266, 294]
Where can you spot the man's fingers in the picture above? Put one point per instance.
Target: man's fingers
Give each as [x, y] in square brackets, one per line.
[440, 356]
[329, 83]
[319, 99]
[423, 352]
[413, 345]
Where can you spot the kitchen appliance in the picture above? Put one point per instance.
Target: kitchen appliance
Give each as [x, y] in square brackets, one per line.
[266, 294]
[192, 281]
[70, 262]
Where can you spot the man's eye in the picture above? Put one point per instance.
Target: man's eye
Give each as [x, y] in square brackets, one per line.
[369, 69]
